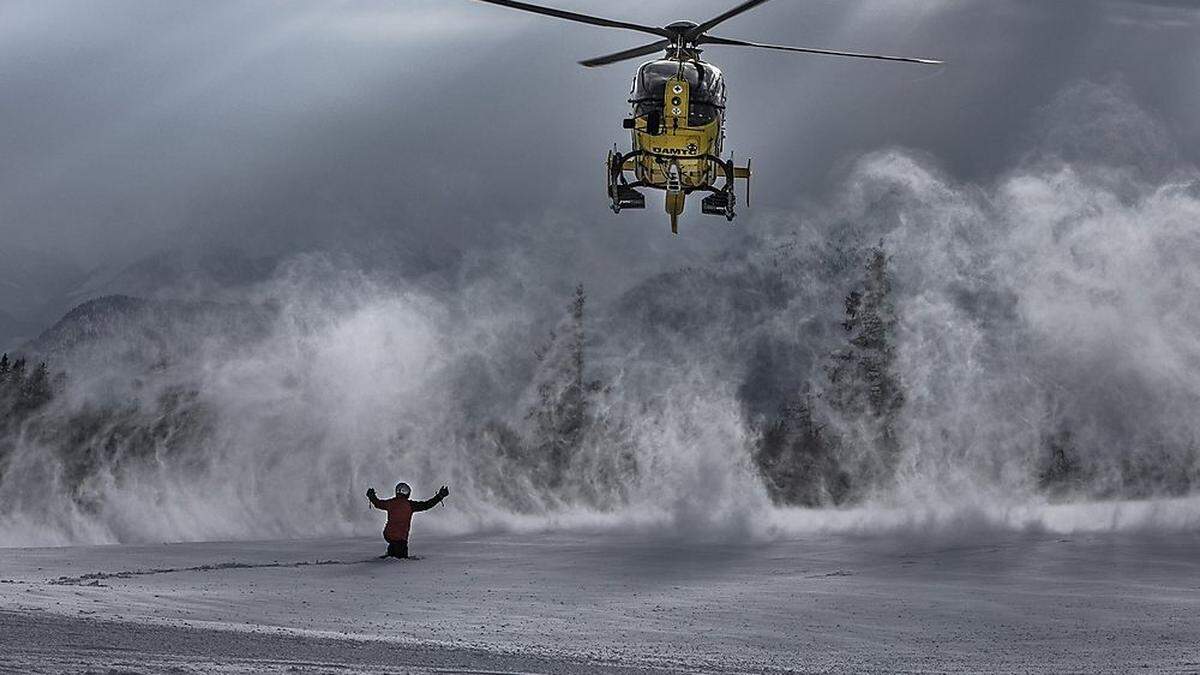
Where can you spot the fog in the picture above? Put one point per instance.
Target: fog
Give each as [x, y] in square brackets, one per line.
[1038, 198]
[1060, 294]
[134, 127]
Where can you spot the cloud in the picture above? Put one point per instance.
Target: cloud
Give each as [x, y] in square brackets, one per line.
[286, 126]
[1060, 294]
[1154, 14]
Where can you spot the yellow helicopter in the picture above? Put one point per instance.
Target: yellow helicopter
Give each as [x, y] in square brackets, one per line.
[678, 120]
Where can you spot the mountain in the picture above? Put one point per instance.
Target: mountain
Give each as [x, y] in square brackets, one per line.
[175, 274]
[36, 288]
[127, 329]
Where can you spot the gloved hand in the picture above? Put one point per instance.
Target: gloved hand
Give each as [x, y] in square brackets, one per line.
[370, 492]
[444, 492]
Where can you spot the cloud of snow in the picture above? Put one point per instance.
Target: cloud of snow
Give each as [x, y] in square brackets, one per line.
[1063, 296]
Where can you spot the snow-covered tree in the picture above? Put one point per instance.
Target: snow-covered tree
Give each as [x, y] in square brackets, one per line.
[863, 391]
[795, 460]
[35, 391]
[560, 412]
[1060, 470]
[21, 394]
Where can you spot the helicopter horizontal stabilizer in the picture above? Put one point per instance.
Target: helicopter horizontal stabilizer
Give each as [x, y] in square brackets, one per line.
[744, 173]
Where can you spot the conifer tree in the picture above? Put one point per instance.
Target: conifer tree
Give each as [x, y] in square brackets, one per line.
[864, 389]
[17, 375]
[7, 393]
[1060, 466]
[794, 458]
[22, 394]
[35, 391]
[560, 414]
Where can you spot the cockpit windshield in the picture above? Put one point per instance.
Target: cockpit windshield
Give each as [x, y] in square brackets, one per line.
[705, 84]
[704, 81]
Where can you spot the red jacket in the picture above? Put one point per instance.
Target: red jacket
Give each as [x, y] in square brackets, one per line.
[400, 510]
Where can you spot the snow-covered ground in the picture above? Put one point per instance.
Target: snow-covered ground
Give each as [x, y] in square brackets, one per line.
[622, 603]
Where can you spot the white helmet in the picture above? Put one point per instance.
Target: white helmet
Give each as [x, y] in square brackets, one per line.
[402, 490]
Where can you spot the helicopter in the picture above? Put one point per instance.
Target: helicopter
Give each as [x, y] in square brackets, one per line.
[677, 125]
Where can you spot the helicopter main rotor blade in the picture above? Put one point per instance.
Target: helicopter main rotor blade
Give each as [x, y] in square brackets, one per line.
[627, 54]
[744, 7]
[581, 18]
[714, 40]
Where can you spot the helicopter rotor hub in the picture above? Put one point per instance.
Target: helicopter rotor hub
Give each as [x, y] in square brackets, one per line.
[682, 32]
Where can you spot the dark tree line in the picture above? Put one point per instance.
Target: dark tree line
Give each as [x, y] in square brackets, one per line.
[564, 447]
[561, 414]
[22, 391]
[797, 460]
[22, 394]
[1152, 468]
[853, 447]
[95, 434]
[830, 442]
[835, 438]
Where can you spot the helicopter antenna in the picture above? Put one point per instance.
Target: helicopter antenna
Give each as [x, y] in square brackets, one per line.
[684, 35]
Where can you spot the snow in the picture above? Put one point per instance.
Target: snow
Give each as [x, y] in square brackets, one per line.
[583, 602]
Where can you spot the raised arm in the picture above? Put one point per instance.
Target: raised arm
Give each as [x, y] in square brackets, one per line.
[376, 501]
[431, 502]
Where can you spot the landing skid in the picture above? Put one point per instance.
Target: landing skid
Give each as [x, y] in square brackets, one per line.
[625, 195]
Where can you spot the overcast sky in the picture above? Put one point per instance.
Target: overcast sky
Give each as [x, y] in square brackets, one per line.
[129, 126]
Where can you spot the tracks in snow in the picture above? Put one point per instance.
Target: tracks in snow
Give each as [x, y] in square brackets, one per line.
[95, 578]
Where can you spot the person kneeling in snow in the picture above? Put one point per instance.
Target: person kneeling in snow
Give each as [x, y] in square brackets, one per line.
[400, 510]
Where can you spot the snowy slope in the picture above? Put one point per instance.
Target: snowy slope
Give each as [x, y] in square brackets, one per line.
[1005, 602]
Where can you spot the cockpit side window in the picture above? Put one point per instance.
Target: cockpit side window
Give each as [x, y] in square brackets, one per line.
[709, 86]
[700, 114]
[707, 96]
